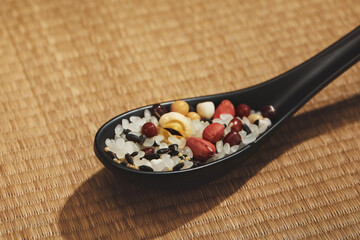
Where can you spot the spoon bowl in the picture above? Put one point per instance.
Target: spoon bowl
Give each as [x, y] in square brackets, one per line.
[287, 93]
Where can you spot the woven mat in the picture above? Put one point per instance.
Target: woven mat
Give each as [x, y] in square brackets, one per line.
[67, 66]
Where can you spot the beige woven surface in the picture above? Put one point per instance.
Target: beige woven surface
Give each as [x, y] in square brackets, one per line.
[67, 66]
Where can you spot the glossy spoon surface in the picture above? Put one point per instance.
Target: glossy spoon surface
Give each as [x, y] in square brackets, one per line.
[287, 93]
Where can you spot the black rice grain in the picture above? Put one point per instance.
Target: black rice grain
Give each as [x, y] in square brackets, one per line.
[132, 137]
[158, 110]
[197, 164]
[142, 139]
[146, 168]
[178, 166]
[134, 154]
[173, 147]
[246, 128]
[129, 159]
[111, 154]
[124, 163]
[174, 153]
[152, 156]
[162, 150]
[126, 131]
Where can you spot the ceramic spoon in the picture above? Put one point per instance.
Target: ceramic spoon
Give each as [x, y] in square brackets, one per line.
[287, 93]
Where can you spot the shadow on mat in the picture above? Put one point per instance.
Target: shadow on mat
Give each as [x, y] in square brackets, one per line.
[104, 207]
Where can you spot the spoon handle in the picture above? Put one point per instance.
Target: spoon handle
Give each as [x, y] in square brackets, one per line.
[295, 87]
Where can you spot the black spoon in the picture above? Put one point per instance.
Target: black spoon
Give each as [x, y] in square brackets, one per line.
[287, 93]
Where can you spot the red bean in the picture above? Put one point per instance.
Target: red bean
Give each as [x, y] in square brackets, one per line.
[149, 130]
[232, 138]
[148, 151]
[235, 124]
[158, 110]
[268, 111]
[242, 110]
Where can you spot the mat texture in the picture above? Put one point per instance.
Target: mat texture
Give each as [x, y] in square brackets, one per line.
[66, 67]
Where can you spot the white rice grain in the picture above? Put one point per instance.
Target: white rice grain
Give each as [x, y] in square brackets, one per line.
[226, 118]
[246, 121]
[219, 146]
[142, 162]
[134, 119]
[226, 148]
[234, 148]
[163, 145]
[120, 143]
[175, 159]
[128, 147]
[125, 123]
[188, 152]
[148, 142]
[157, 164]
[227, 130]
[182, 142]
[147, 114]
[168, 162]
[267, 121]
[154, 121]
[174, 140]
[242, 134]
[249, 138]
[118, 130]
[133, 127]
[187, 164]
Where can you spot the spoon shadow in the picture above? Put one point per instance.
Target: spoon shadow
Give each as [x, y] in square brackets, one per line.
[102, 206]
